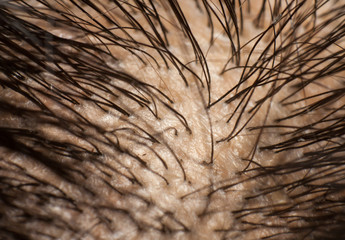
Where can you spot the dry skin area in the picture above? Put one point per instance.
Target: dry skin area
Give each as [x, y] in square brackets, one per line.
[172, 119]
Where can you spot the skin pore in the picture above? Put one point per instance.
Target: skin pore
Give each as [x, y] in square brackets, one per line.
[172, 119]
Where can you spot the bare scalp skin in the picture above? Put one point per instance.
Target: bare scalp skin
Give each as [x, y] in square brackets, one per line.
[172, 119]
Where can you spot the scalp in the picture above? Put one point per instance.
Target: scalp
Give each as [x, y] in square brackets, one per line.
[167, 119]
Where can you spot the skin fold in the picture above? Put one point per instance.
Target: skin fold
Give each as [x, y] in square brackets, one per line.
[172, 119]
